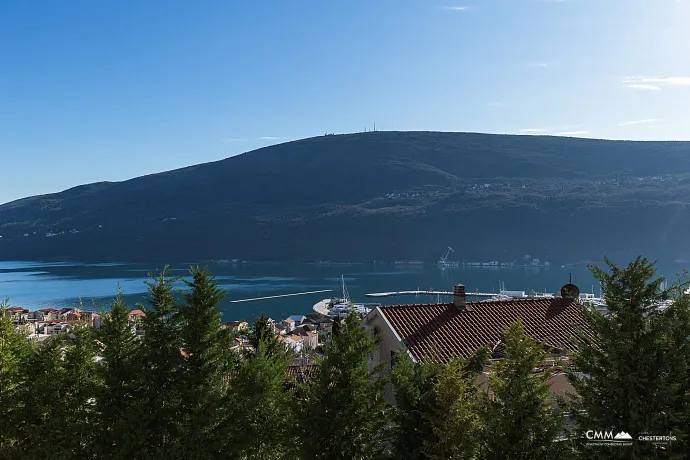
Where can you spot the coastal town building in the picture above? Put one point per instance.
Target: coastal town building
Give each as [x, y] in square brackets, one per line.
[445, 331]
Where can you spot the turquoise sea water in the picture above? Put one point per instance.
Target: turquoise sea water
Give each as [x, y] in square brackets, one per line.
[36, 285]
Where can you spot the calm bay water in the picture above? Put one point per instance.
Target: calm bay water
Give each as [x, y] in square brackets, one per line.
[36, 285]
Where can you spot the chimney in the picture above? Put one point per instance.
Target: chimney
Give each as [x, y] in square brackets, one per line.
[459, 299]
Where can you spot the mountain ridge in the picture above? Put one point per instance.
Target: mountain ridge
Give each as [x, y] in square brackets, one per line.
[376, 196]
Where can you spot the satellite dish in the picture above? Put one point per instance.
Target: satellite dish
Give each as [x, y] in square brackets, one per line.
[570, 292]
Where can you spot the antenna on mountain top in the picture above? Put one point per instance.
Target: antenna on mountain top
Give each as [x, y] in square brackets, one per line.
[374, 126]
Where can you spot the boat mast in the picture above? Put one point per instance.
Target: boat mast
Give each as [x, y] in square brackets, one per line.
[346, 296]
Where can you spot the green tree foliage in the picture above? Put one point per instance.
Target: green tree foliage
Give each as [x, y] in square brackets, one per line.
[159, 401]
[259, 425]
[343, 414]
[119, 373]
[415, 401]
[13, 348]
[58, 418]
[263, 333]
[631, 371]
[520, 421]
[206, 365]
[455, 417]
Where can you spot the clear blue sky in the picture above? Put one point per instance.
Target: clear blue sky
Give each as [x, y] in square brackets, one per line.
[113, 89]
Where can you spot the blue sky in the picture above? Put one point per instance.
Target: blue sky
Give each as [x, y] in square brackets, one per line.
[109, 90]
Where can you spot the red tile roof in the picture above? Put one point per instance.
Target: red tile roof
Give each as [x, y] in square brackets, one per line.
[445, 331]
[137, 313]
[300, 374]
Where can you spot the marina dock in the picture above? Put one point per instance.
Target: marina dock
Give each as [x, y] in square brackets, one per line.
[397, 293]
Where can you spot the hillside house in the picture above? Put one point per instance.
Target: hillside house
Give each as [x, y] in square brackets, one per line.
[135, 318]
[46, 314]
[459, 328]
[18, 314]
[310, 340]
[289, 324]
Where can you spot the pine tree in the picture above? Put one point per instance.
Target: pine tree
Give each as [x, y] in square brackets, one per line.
[41, 426]
[159, 401]
[57, 418]
[627, 378]
[520, 422]
[207, 363]
[263, 333]
[260, 408]
[13, 348]
[455, 417]
[343, 414]
[119, 374]
[80, 382]
[415, 402]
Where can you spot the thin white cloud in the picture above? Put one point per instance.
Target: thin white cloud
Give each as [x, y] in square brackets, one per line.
[542, 65]
[456, 8]
[532, 130]
[645, 87]
[271, 138]
[662, 81]
[571, 133]
[636, 122]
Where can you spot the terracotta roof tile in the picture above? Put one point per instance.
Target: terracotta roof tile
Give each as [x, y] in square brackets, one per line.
[300, 374]
[445, 331]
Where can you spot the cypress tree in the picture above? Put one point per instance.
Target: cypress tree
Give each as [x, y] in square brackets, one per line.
[520, 422]
[119, 375]
[343, 414]
[627, 377]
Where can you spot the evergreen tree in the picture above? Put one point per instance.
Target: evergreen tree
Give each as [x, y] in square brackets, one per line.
[260, 408]
[119, 374]
[207, 363]
[264, 333]
[13, 348]
[80, 382]
[627, 378]
[57, 418]
[415, 402]
[677, 318]
[159, 401]
[455, 417]
[343, 414]
[520, 422]
[41, 426]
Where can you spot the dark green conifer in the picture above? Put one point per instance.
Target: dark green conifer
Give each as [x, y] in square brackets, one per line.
[159, 402]
[520, 421]
[207, 362]
[343, 413]
[13, 349]
[259, 425]
[630, 375]
[120, 374]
